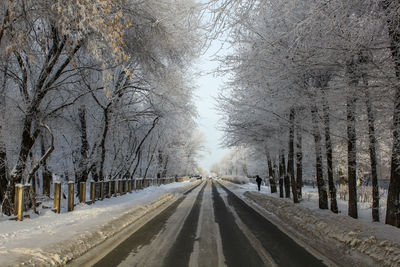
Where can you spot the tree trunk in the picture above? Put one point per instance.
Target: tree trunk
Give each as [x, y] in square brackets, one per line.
[372, 154]
[151, 159]
[291, 157]
[322, 194]
[271, 174]
[46, 176]
[244, 169]
[82, 172]
[299, 162]
[103, 141]
[139, 147]
[164, 173]
[286, 182]
[282, 172]
[352, 156]
[328, 147]
[3, 151]
[392, 207]
[139, 159]
[27, 142]
[159, 163]
[3, 171]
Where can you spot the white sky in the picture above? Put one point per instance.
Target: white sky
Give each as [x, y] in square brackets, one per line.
[208, 89]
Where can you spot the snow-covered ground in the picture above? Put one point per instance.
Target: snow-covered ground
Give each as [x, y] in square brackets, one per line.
[357, 237]
[54, 239]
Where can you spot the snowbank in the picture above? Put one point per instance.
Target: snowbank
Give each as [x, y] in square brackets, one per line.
[54, 239]
[380, 242]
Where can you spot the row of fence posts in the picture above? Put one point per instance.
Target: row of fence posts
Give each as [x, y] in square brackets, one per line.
[98, 191]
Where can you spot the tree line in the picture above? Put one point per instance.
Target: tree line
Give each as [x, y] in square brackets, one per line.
[316, 85]
[96, 90]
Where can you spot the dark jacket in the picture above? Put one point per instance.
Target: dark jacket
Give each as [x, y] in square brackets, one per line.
[258, 180]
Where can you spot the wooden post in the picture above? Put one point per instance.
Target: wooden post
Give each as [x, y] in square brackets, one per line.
[82, 193]
[71, 196]
[109, 189]
[20, 201]
[92, 191]
[102, 190]
[115, 188]
[16, 200]
[120, 187]
[125, 186]
[57, 197]
[130, 186]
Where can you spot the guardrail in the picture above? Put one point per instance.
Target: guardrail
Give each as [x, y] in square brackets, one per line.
[97, 191]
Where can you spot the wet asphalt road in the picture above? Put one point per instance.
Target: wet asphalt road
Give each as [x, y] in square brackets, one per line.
[209, 226]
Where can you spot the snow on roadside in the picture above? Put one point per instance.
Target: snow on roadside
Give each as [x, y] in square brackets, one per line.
[53, 239]
[379, 241]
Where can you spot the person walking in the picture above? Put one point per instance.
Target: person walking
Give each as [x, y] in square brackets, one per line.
[258, 180]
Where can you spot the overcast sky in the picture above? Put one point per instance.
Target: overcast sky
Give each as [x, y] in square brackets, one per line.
[208, 121]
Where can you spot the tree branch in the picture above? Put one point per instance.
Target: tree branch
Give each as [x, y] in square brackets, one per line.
[44, 157]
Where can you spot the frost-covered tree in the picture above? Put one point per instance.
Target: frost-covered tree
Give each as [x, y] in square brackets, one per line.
[97, 77]
[327, 67]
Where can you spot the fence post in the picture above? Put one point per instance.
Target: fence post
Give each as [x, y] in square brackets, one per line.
[115, 188]
[120, 189]
[130, 186]
[82, 192]
[102, 190]
[109, 189]
[92, 191]
[16, 200]
[57, 197]
[20, 201]
[71, 195]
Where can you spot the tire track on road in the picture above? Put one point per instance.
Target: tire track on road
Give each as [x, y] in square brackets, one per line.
[179, 254]
[143, 236]
[284, 250]
[237, 249]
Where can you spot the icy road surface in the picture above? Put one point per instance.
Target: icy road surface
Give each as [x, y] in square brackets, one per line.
[209, 226]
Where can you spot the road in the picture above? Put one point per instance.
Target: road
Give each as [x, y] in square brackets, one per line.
[209, 226]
